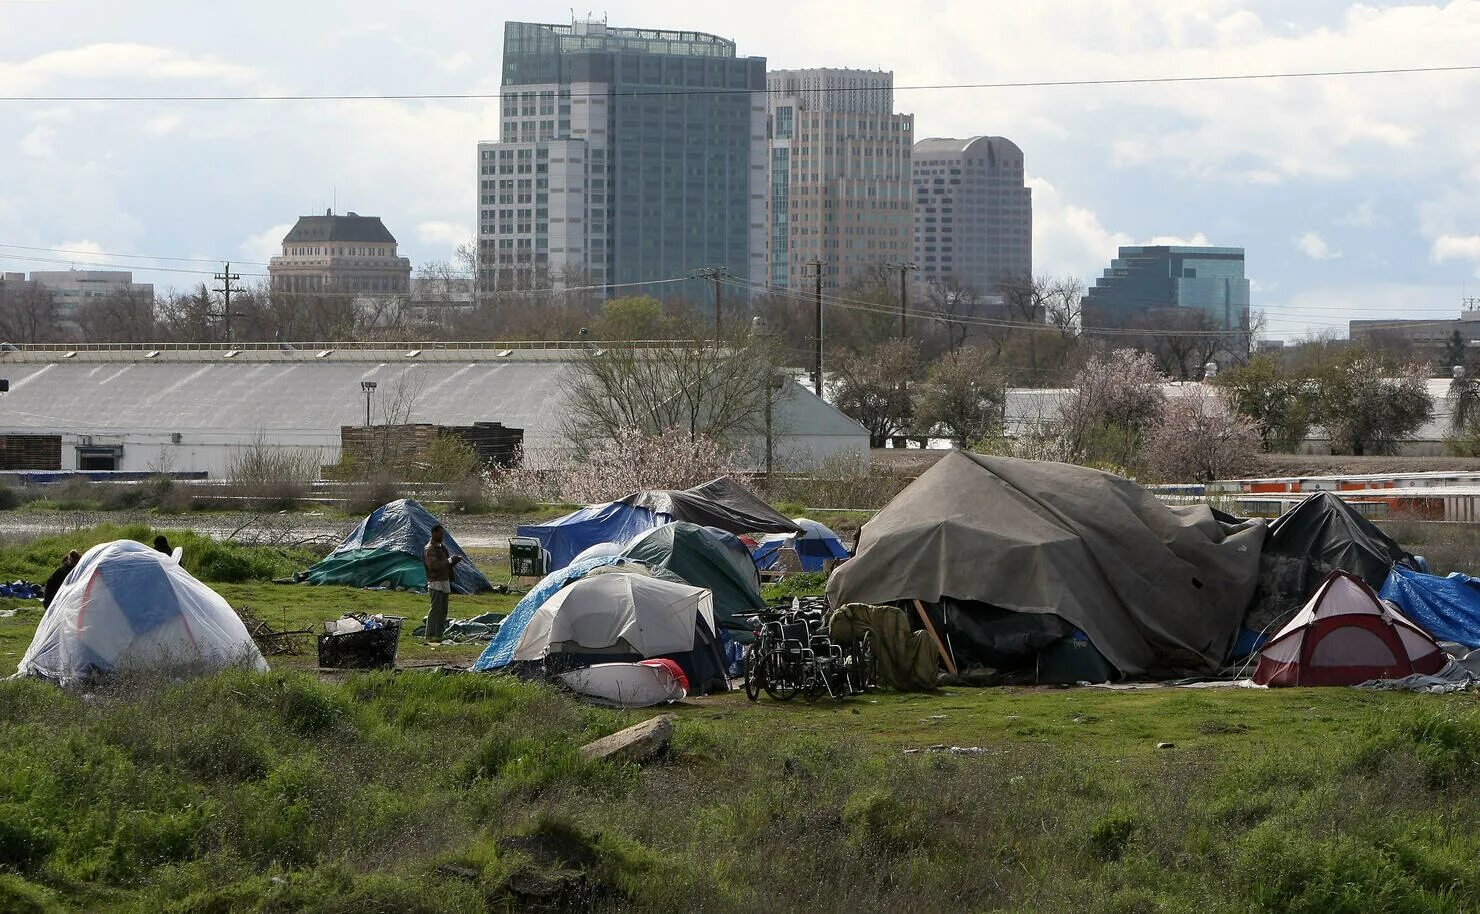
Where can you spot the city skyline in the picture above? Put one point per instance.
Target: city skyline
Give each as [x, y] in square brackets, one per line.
[1344, 191]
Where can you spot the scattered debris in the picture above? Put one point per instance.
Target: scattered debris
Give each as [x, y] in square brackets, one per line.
[637, 743]
[951, 750]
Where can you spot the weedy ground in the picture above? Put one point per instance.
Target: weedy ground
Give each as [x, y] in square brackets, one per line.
[430, 791]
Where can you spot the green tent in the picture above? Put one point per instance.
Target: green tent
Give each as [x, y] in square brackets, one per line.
[703, 559]
[385, 551]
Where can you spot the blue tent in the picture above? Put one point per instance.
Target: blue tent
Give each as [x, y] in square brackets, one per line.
[1446, 608]
[500, 651]
[567, 537]
[815, 546]
[386, 550]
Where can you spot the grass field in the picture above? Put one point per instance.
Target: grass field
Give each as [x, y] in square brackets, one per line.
[430, 791]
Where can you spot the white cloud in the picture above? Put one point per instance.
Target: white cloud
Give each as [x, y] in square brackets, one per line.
[448, 233]
[1455, 247]
[1312, 245]
[1198, 240]
[266, 244]
[38, 143]
[1364, 215]
[82, 252]
[1069, 239]
[162, 124]
[107, 62]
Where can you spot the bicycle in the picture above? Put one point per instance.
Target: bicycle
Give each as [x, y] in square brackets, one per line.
[792, 654]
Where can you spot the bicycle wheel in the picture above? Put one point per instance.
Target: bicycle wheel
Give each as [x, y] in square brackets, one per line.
[781, 681]
[755, 675]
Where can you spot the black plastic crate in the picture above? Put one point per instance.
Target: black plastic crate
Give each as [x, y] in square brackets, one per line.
[372, 648]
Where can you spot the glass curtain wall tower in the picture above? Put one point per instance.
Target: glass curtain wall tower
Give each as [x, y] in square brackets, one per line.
[625, 156]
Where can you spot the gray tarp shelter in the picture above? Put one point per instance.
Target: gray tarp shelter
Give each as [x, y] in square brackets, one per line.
[1155, 587]
[722, 503]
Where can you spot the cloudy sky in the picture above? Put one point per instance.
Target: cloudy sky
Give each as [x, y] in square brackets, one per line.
[1354, 196]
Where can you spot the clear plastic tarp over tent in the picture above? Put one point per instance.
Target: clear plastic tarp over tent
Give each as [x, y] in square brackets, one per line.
[129, 608]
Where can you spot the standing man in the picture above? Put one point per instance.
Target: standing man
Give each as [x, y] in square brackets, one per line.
[439, 565]
[54, 583]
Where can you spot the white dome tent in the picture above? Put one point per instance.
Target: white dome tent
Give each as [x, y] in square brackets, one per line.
[128, 608]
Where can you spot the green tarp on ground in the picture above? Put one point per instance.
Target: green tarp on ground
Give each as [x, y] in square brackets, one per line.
[370, 568]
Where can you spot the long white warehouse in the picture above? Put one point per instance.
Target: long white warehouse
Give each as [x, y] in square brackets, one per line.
[143, 409]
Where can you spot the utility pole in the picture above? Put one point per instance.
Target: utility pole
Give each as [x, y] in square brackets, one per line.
[904, 269]
[226, 278]
[817, 335]
[716, 274]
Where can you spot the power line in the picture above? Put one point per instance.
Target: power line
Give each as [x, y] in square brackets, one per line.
[660, 93]
[212, 260]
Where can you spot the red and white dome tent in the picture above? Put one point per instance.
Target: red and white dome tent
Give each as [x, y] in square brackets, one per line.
[1346, 635]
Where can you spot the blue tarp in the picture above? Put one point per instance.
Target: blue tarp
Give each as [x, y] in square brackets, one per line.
[815, 545]
[567, 537]
[402, 527]
[500, 651]
[1447, 608]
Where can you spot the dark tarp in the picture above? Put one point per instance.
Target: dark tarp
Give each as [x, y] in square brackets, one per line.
[1155, 587]
[385, 550]
[703, 560]
[722, 503]
[1320, 535]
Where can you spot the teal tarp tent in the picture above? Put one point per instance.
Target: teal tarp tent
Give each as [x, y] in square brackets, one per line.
[699, 557]
[385, 551]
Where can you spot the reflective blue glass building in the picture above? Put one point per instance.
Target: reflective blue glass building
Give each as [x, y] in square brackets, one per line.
[1144, 281]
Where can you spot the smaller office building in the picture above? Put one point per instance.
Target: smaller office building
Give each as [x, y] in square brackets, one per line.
[1147, 284]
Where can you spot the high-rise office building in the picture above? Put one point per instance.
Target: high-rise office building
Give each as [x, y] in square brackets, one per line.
[973, 214]
[625, 156]
[1145, 285]
[840, 176]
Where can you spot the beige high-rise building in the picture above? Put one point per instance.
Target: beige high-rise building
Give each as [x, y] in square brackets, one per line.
[840, 177]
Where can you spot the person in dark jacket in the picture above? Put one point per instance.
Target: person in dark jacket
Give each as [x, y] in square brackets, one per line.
[54, 583]
[439, 565]
[162, 544]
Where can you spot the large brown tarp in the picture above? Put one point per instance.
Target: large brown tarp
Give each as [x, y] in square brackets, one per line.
[1155, 587]
[722, 503]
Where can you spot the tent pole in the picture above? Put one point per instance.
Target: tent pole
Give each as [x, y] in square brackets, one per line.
[939, 647]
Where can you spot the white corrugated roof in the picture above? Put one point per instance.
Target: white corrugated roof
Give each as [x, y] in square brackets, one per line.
[275, 390]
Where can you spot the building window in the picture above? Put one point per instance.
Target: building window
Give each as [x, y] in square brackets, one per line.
[98, 458]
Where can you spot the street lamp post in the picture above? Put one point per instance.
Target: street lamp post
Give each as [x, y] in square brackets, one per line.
[369, 388]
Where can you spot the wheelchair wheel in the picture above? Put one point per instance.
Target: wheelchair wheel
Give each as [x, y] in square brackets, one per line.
[754, 673]
[779, 680]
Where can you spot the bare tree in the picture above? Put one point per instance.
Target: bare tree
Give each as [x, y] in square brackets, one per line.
[28, 314]
[122, 316]
[953, 302]
[873, 389]
[190, 317]
[721, 390]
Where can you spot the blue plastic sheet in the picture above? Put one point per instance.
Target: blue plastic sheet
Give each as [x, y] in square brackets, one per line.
[614, 522]
[1446, 607]
[500, 651]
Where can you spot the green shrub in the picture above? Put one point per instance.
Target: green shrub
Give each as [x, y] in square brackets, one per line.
[1112, 833]
[17, 896]
[24, 842]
